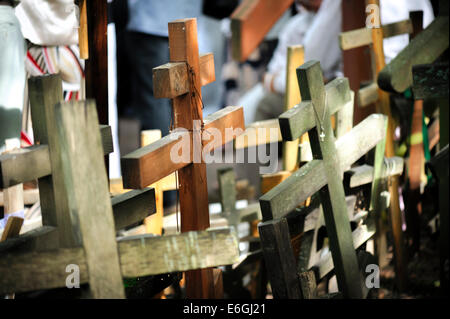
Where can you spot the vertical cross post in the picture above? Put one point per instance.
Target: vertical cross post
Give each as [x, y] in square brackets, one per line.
[332, 195]
[187, 108]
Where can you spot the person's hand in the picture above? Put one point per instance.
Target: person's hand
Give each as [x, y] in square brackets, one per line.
[310, 5]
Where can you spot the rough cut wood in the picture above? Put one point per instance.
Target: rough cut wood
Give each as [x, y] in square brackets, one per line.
[251, 21]
[33, 162]
[139, 256]
[225, 120]
[300, 119]
[430, 81]
[361, 37]
[190, 250]
[425, 48]
[45, 92]
[310, 178]
[132, 207]
[30, 197]
[42, 238]
[86, 182]
[251, 136]
[171, 79]
[227, 189]
[28, 164]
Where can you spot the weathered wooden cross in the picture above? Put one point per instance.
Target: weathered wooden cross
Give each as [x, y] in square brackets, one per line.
[323, 174]
[181, 80]
[74, 156]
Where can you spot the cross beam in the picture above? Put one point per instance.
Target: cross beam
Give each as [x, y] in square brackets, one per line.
[181, 80]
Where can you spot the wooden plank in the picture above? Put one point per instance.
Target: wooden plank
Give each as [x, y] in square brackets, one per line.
[279, 258]
[227, 189]
[269, 181]
[310, 178]
[193, 190]
[258, 133]
[33, 162]
[88, 195]
[151, 163]
[300, 119]
[251, 21]
[295, 58]
[344, 117]
[42, 238]
[362, 37]
[425, 48]
[27, 164]
[140, 256]
[171, 79]
[12, 228]
[363, 174]
[229, 121]
[368, 95]
[147, 255]
[132, 207]
[45, 92]
[430, 81]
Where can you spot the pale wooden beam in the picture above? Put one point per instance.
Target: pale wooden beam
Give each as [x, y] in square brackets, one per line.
[361, 37]
[140, 256]
[362, 175]
[251, 136]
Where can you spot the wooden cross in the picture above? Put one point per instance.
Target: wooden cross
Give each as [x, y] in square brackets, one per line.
[324, 172]
[102, 261]
[181, 80]
[251, 21]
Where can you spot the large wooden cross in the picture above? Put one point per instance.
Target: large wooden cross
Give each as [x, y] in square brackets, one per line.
[74, 156]
[181, 80]
[324, 172]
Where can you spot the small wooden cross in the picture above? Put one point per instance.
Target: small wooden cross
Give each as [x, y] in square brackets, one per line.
[181, 80]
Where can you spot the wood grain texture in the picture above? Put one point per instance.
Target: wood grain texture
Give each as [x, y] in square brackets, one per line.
[300, 119]
[88, 195]
[83, 36]
[140, 256]
[251, 21]
[132, 207]
[45, 92]
[229, 122]
[423, 49]
[171, 79]
[227, 189]
[27, 164]
[151, 163]
[42, 238]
